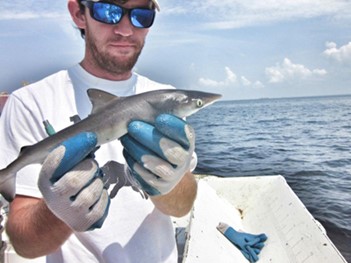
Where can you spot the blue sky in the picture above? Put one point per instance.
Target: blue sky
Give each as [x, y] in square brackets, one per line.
[243, 49]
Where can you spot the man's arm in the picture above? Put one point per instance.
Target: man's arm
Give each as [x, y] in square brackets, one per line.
[33, 229]
[180, 200]
[74, 199]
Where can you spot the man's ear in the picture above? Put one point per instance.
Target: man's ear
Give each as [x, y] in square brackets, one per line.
[77, 15]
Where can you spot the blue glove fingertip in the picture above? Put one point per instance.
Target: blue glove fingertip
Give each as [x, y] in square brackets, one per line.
[259, 245]
[134, 148]
[252, 255]
[173, 127]
[146, 135]
[263, 237]
[77, 148]
[252, 240]
[257, 250]
[130, 161]
[99, 223]
[246, 255]
[151, 191]
[143, 184]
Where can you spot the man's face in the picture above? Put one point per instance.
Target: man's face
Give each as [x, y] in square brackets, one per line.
[114, 49]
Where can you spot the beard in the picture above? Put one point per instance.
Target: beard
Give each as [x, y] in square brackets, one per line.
[113, 63]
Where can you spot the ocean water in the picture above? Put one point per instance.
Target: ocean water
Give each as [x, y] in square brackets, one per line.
[306, 140]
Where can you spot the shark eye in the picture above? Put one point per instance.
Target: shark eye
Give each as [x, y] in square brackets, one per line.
[199, 103]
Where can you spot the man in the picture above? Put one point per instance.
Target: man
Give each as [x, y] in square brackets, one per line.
[53, 211]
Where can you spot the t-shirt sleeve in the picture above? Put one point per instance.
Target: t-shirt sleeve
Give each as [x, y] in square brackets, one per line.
[18, 128]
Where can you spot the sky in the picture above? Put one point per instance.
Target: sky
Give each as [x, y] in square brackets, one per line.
[243, 49]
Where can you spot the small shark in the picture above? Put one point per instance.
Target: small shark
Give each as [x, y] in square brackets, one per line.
[108, 120]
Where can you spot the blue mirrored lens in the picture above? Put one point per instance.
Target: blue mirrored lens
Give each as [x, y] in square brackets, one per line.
[142, 18]
[112, 14]
[107, 13]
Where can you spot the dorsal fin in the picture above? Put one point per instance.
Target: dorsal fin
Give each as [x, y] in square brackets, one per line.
[99, 98]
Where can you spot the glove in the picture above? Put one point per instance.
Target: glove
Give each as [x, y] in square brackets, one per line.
[249, 245]
[71, 184]
[158, 156]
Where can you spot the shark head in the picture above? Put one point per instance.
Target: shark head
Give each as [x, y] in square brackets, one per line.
[183, 103]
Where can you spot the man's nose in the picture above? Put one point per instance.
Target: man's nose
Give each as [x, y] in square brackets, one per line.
[124, 27]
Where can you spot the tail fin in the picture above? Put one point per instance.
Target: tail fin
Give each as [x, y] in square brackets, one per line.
[7, 185]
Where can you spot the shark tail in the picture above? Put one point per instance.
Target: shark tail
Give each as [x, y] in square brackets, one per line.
[7, 185]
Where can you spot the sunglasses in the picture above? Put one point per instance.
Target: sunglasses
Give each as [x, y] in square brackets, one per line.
[112, 14]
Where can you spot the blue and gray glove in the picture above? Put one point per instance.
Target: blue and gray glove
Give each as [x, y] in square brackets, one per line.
[159, 155]
[249, 245]
[71, 184]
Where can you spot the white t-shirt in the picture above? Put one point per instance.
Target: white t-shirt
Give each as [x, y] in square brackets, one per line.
[134, 231]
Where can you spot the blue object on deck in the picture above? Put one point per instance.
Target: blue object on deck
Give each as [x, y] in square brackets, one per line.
[250, 245]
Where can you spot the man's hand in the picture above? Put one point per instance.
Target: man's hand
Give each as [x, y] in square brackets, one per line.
[71, 184]
[159, 156]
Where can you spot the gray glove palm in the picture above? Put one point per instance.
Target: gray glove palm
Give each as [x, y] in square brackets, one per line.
[71, 184]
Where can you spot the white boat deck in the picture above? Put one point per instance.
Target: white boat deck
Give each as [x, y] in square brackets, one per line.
[255, 205]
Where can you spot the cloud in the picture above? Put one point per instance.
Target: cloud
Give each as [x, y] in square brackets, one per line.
[228, 14]
[258, 85]
[245, 81]
[230, 80]
[38, 18]
[288, 71]
[5, 15]
[20, 10]
[341, 55]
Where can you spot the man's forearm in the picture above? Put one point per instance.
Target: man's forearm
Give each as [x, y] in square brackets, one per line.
[33, 230]
[180, 200]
